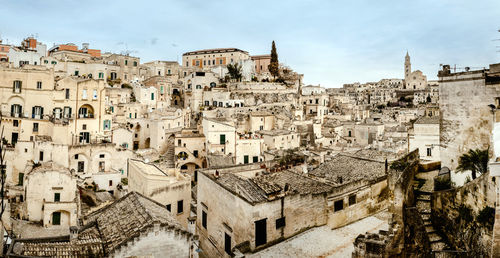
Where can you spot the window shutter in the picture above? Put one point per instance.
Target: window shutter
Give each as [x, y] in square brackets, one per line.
[20, 85]
[12, 110]
[41, 112]
[33, 112]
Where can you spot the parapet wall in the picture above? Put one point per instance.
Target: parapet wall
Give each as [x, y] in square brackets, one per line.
[456, 213]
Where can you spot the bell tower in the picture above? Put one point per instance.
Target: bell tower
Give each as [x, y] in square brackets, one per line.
[407, 67]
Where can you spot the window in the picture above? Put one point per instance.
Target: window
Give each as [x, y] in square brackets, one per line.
[81, 166]
[37, 112]
[16, 110]
[222, 139]
[35, 127]
[57, 197]
[338, 205]
[56, 218]
[94, 94]
[429, 152]
[20, 179]
[107, 124]
[38, 85]
[40, 155]
[84, 137]
[15, 123]
[110, 182]
[168, 71]
[220, 61]
[102, 166]
[76, 73]
[101, 75]
[280, 223]
[245, 159]
[84, 127]
[57, 113]
[261, 127]
[84, 94]
[204, 219]
[180, 206]
[195, 153]
[44, 61]
[67, 93]
[135, 63]
[169, 207]
[76, 156]
[67, 112]
[53, 62]
[126, 62]
[152, 96]
[352, 199]
[17, 86]
[255, 159]
[227, 244]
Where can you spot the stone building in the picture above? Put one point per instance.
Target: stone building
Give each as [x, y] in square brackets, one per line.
[466, 102]
[132, 226]
[262, 63]
[425, 138]
[51, 196]
[190, 151]
[170, 188]
[415, 80]
[275, 204]
[213, 57]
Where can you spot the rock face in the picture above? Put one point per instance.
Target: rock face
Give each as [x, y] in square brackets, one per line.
[456, 213]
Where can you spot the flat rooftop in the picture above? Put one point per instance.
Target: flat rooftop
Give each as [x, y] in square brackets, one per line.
[214, 51]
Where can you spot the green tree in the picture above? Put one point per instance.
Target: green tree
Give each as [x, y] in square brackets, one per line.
[274, 65]
[234, 71]
[475, 160]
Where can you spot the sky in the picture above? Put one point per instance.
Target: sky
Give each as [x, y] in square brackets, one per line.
[330, 42]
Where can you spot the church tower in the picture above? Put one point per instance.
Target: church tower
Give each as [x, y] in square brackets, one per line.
[407, 67]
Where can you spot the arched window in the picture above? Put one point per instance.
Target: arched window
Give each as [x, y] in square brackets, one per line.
[86, 111]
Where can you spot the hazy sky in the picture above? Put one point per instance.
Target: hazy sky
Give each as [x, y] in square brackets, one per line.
[330, 42]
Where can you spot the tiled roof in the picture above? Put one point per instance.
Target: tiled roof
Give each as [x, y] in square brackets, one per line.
[265, 187]
[106, 230]
[127, 217]
[88, 244]
[343, 169]
[428, 120]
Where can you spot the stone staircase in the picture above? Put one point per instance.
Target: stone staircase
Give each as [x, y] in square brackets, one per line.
[423, 194]
[169, 156]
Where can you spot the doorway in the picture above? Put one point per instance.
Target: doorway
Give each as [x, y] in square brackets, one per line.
[260, 232]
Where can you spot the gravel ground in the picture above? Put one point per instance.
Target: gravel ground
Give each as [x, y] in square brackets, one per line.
[324, 242]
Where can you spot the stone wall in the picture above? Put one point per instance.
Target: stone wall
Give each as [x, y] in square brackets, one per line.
[455, 213]
[466, 119]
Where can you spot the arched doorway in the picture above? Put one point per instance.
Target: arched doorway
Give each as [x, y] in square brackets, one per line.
[147, 143]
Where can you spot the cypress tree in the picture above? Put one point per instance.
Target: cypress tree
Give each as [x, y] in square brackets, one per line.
[274, 65]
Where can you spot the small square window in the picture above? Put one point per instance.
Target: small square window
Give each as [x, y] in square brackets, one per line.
[338, 205]
[15, 123]
[101, 156]
[352, 199]
[280, 223]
